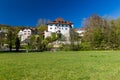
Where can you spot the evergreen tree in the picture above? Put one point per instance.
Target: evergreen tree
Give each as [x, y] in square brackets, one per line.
[17, 43]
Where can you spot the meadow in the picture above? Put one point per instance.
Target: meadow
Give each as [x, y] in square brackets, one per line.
[80, 65]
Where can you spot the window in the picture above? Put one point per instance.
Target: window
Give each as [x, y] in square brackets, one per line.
[66, 28]
[28, 33]
[55, 24]
[51, 25]
[50, 28]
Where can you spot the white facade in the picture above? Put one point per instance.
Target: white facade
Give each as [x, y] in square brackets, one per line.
[24, 34]
[59, 25]
[47, 34]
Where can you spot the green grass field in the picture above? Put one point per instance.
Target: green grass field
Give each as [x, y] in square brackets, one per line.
[82, 65]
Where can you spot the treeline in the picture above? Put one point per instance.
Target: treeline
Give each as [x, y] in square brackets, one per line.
[101, 34]
[9, 37]
[36, 42]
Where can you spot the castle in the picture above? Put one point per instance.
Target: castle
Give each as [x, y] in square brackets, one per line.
[61, 26]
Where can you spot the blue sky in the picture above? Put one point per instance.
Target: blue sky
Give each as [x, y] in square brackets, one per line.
[27, 12]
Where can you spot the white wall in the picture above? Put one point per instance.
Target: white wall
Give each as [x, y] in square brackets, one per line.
[64, 29]
[47, 34]
[24, 34]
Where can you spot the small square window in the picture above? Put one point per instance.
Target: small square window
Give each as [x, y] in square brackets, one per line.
[55, 24]
[28, 33]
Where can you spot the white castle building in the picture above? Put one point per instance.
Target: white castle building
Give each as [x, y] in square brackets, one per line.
[59, 25]
[24, 34]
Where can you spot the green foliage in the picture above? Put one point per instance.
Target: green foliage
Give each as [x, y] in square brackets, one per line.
[65, 47]
[49, 47]
[41, 28]
[10, 38]
[49, 39]
[102, 34]
[54, 37]
[70, 47]
[74, 41]
[85, 46]
[17, 43]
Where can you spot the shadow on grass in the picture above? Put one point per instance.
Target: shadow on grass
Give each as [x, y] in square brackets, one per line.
[20, 51]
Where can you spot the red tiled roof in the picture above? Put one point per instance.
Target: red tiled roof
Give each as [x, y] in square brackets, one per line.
[60, 21]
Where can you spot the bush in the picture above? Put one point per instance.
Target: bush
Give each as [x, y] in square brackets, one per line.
[49, 47]
[70, 47]
[65, 47]
[85, 46]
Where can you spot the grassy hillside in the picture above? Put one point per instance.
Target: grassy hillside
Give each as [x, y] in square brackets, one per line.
[82, 65]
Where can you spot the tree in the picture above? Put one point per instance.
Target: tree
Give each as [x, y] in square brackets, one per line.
[17, 43]
[10, 39]
[39, 44]
[41, 28]
[102, 33]
[74, 40]
[27, 41]
[94, 31]
[42, 22]
[1, 39]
